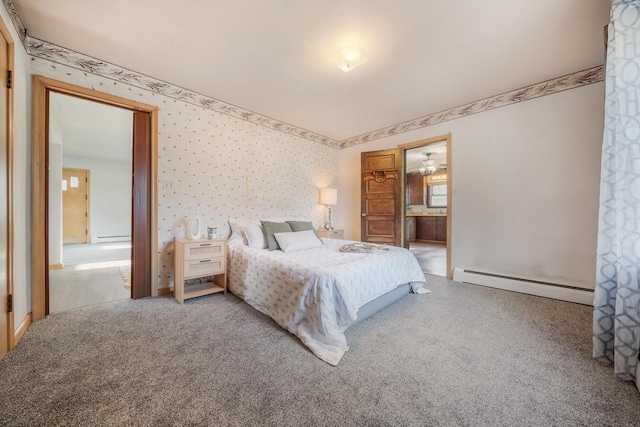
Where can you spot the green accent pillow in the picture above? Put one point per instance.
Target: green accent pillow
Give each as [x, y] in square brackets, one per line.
[274, 227]
[303, 226]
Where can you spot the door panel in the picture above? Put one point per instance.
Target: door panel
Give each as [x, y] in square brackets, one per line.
[381, 198]
[385, 187]
[380, 207]
[75, 206]
[381, 161]
[141, 207]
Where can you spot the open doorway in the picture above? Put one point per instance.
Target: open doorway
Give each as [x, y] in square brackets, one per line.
[427, 204]
[144, 242]
[90, 182]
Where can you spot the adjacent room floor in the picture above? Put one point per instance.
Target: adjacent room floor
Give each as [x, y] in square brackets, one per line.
[92, 274]
[432, 257]
[462, 355]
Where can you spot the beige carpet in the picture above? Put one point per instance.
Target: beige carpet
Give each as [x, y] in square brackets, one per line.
[463, 355]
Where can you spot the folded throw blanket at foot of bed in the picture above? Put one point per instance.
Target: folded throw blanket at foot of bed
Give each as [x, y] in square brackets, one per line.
[362, 247]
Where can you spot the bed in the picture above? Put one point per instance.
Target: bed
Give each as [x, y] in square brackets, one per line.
[316, 294]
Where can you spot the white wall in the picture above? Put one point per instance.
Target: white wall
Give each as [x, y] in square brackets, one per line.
[21, 177]
[525, 186]
[109, 195]
[55, 200]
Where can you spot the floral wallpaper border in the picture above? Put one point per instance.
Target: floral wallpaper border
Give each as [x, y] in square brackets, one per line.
[549, 87]
[10, 5]
[64, 56]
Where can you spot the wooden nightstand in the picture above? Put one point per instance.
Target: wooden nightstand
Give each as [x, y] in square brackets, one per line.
[196, 259]
[330, 234]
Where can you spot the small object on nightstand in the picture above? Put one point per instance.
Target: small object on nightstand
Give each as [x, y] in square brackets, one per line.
[212, 232]
[195, 259]
[331, 234]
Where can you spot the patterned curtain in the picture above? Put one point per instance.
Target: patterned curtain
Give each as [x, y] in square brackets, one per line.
[616, 319]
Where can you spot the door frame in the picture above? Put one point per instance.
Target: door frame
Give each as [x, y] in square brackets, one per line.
[87, 238]
[420, 143]
[41, 86]
[12, 335]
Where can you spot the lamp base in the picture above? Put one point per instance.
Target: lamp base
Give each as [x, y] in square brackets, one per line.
[327, 225]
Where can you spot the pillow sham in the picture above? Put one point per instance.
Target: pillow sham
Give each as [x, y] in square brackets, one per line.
[274, 227]
[236, 223]
[300, 225]
[255, 236]
[297, 240]
[303, 226]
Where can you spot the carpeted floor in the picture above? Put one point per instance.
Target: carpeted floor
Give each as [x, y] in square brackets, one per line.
[463, 355]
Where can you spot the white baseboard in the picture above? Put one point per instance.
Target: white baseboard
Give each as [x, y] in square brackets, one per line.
[525, 286]
[110, 239]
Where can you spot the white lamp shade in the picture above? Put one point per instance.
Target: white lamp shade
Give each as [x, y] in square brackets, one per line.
[328, 196]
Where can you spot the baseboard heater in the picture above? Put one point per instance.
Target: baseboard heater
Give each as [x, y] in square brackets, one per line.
[110, 239]
[525, 286]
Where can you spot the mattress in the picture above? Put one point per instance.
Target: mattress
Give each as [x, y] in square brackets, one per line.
[316, 293]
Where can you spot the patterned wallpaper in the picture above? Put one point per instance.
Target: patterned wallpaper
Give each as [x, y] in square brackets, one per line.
[217, 166]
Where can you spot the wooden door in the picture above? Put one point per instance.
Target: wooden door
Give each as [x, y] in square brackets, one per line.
[381, 197]
[141, 207]
[75, 206]
[5, 149]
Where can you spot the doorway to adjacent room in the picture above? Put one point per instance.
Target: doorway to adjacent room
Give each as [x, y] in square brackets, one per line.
[139, 240]
[406, 200]
[427, 203]
[90, 181]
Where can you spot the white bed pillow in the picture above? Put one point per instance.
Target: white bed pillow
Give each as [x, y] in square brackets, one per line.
[255, 236]
[236, 223]
[298, 240]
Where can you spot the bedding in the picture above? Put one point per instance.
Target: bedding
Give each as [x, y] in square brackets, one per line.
[315, 293]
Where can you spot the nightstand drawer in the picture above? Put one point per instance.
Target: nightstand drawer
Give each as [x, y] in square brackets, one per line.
[204, 267]
[204, 250]
[330, 234]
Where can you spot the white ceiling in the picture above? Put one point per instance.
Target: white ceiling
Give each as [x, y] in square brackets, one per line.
[415, 156]
[274, 57]
[90, 129]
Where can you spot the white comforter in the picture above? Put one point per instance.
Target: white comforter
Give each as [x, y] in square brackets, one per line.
[315, 293]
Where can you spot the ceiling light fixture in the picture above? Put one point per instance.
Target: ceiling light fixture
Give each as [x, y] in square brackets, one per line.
[428, 165]
[349, 58]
